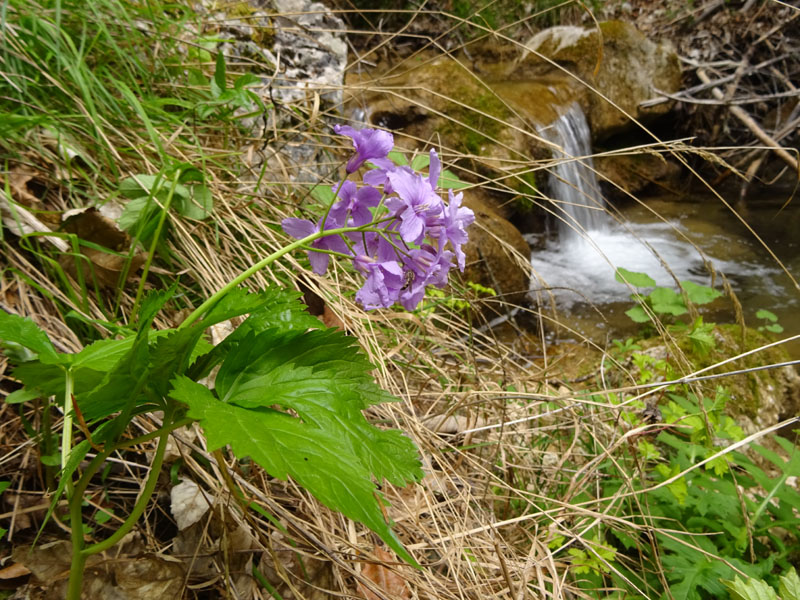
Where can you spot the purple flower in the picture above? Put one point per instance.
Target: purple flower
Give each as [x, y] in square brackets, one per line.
[300, 228]
[415, 204]
[356, 202]
[423, 267]
[383, 284]
[371, 145]
[451, 226]
[434, 170]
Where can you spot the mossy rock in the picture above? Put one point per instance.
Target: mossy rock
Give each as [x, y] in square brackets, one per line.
[616, 61]
[759, 399]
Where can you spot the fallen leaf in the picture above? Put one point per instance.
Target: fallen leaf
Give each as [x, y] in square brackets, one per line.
[107, 267]
[384, 577]
[14, 571]
[189, 503]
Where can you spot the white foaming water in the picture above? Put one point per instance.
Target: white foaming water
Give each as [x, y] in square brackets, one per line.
[580, 266]
[583, 271]
[578, 204]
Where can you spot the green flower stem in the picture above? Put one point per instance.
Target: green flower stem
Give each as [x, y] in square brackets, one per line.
[141, 501]
[66, 432]
[78, 558]
[79, 553]
[265, 262]
[150, 255]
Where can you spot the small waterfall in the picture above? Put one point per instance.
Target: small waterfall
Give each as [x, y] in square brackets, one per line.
[573, 183]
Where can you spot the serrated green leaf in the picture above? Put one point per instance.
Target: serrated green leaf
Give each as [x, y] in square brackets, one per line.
[26, 333]
[666, 301]
[639, 280]
[702, 337]
[700, 294]
[789, 586]
[752, 589]
[151, 305]
[171, 355]
[101, 355]
[321, 460]
[322, 376]
[274, 308]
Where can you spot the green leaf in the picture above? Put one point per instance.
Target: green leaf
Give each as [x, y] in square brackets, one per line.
[752, 589]
[76, 455]
[639, 280]
[666, 301]
[151, 305]
[702, 337]
[26, 333]
[789, 586]
[138, 216]
[397, 158]
[218, 82]
[198, 205]
[274, 308]
[323, 194]
[689, 571]
[139, 186]
[766, 314]
[320, 458]
[420, 161]
[22, 395]
[450, 181]
[638, 314]
[4, 486]
[700, 294]
[678, 487]
[102, 355]
[774, 328]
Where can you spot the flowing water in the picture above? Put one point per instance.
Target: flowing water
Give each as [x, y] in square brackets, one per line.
[701, 241]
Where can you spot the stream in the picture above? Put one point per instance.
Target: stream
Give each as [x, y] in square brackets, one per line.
[682, 235]
[669, 239]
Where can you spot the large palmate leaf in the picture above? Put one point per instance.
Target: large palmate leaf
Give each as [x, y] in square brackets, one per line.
[273, 308]
[328, 447]
[322, 376]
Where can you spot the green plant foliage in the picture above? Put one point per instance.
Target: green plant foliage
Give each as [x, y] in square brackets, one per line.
[639, 280]
[770, 320]
[320, 457]
[279, 360]
[753, 589]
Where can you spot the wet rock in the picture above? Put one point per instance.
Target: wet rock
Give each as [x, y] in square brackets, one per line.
[632, 173]
[619, 62]
[497, 254]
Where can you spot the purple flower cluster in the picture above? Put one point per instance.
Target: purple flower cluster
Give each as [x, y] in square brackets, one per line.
[407, 237]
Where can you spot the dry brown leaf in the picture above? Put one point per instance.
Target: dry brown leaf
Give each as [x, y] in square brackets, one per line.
[13, 571]
[386, 578]
[90, 225]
